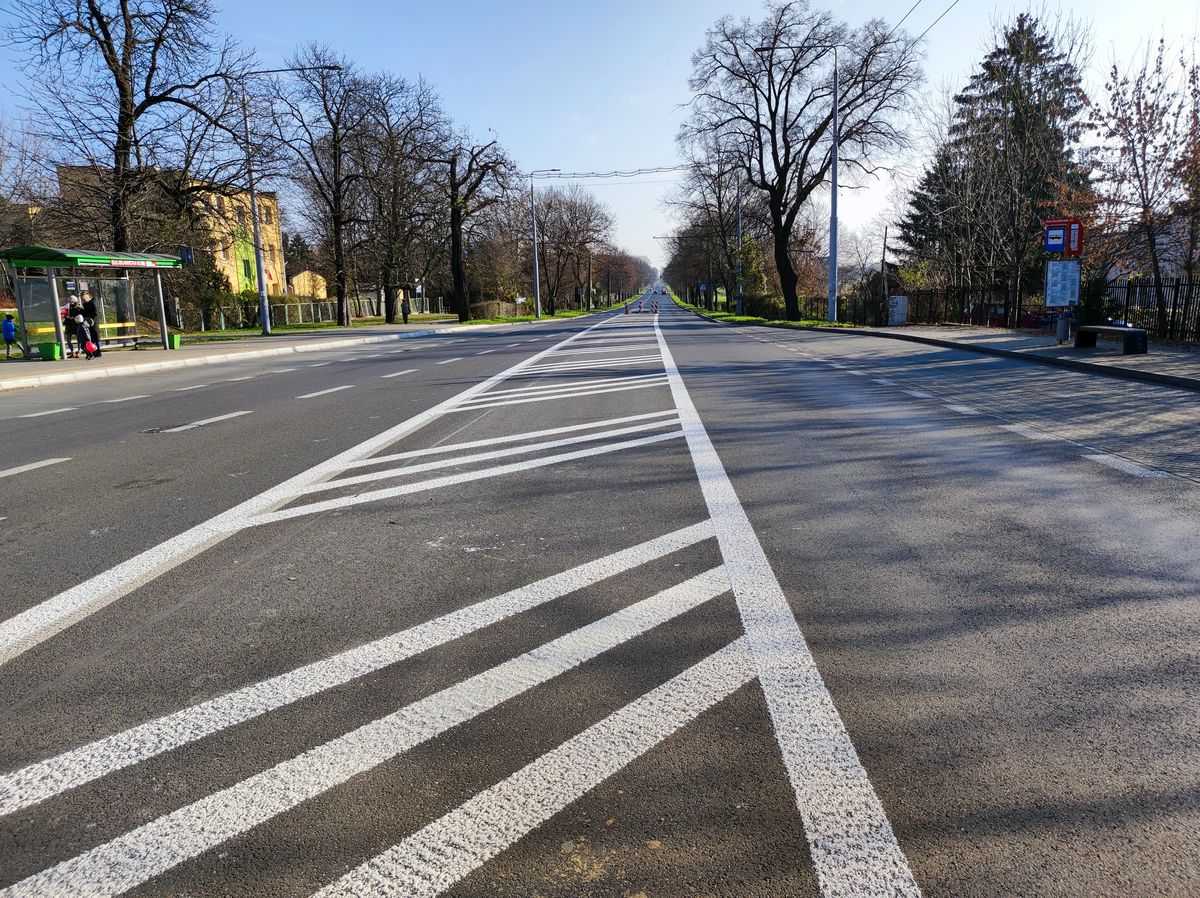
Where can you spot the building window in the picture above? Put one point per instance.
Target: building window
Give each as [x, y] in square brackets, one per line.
[221, 252]
[246, 269]
[267, 216]
[271, 253]
[241, 217]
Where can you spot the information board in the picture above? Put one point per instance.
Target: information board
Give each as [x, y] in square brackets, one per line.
[1062, 283]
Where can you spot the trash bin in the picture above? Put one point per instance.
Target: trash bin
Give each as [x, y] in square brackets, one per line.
[49, 352]
[174, 341]
[1064, 329]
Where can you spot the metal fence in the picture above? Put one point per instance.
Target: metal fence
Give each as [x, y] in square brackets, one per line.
[1168, 310]
[237, 315]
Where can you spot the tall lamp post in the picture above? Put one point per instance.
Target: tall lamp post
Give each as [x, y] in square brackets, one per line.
[833, 172]
[537, 277]
[264, 307]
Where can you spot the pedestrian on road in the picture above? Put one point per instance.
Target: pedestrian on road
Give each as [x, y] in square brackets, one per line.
[91, 313]
[9, 330]
[405, 309]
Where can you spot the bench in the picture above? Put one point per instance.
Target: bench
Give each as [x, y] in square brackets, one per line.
[1133, 339]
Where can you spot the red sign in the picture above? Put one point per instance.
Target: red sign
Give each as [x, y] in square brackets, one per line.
[1071, 241]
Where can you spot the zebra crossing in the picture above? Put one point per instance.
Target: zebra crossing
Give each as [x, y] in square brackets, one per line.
[851, 842]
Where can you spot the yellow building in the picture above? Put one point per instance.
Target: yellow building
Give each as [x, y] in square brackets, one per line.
[231, 238]
[309, 284]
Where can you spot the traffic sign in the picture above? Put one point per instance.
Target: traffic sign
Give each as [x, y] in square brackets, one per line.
[1063, 235]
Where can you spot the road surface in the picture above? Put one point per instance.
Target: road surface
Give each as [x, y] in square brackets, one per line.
[631, 605]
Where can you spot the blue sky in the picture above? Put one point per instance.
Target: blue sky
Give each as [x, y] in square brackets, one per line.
[598, 86]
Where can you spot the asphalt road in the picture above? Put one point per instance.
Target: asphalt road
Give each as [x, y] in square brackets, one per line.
[626, 606]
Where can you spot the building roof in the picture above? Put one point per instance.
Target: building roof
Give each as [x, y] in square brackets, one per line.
[53, 257]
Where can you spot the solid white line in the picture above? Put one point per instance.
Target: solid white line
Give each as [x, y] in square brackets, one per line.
[623, 347]
[858, 373]
[1126, 466]
[234, 380]
[448, 361]
[23, 631]
[317, 365]
[884, 381]
[325, 392]
[196, 424]
[513, 438]
[434, 858]
[454, 479]
[485, 352]
[530, 390]
[35, 783]
[962, 409]
[545, 397]
[193, 387]
[128, 398]
[441, 463]
[281, 370]
[32, 466]
[584, 366]
[53, 411]
[1031, 433]
[918, 394]
[155, 847]
[399, 373]
[511, 345]
[851, 842]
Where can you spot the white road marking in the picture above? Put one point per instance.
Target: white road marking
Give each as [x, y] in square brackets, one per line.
[884, 381]
[441, 463]
[155, 847]
[317, 365]
[1126, 466]
[434, 858]
[202, 423]
[850, 839]
[326, 392]
[193, 387]
[918, 394]
[448, 361]
[530, 390]
[455, 479]
[836, 365]
[511, 345]
[513, 438]
[485, 352]
[35, 783]
[962, 409]
[622, 347]
[234, 380]
[282, 370]
[128, 398]
[399, 373]
[53, 411]
[583, 366]
[27, 629]
[1031, 433]
[858, 373]
[564, 394]
[32, 466]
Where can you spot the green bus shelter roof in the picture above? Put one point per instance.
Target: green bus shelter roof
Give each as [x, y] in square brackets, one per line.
[52, 257]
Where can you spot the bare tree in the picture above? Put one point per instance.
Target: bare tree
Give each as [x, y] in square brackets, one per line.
[765, 90]
[148, 83]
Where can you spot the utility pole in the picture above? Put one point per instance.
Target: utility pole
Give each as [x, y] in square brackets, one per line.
[537, 278]
[833, 200]
[883, 278]
[737, 257]
[264, 308]
[589, 303]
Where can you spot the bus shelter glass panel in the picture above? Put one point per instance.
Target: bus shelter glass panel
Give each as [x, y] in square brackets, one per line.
[118, 314]
[36, 310]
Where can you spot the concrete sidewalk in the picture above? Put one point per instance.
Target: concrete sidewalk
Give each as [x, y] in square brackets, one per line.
[16, 375]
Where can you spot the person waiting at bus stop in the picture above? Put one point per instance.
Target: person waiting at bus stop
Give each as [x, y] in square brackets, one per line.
[92, 314]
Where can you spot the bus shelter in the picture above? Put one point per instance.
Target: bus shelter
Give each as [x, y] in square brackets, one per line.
[45, 280]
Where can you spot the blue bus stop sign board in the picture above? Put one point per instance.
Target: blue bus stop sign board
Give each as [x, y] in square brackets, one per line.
[1056, 238]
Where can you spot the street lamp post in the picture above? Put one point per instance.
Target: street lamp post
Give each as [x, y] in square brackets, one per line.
[264, 307]
[537, 277]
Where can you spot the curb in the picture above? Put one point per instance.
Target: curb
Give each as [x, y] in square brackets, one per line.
[1153, 377]
[218, 358]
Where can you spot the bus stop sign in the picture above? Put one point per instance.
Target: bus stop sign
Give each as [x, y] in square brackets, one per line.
[1064, 235]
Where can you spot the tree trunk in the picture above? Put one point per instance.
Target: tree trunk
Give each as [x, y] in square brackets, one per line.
[389, 296]
[339, 271]
[1160, 297]
[122, 165]
[787, 272]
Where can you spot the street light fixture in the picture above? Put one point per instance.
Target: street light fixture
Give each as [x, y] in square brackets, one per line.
[537, 278]
[833, 173]
[264, 308]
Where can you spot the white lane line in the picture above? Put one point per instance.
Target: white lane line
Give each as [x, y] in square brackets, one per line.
[1031, 433]
[32, 466]
[282, 370]
[850, 839]
[584, 366]
[317, 365]
[434, 858]
[53, 411]
[858, 373]
[35, 783]
[836, 365]
[326, 392]
[34, 625]
[485, 352]
[962, 409]
[1126, 466]
[202, 423]
[128, 398]
[399, 373]
[155, 847]
[455, 479]
[884, 381]
[530, 390]
[513, 438]
[511, 345]
[448, 361]
[193, 387]
[441, 463]
[234, 380]
[918, 394]
[623, 347]
[546, 397]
